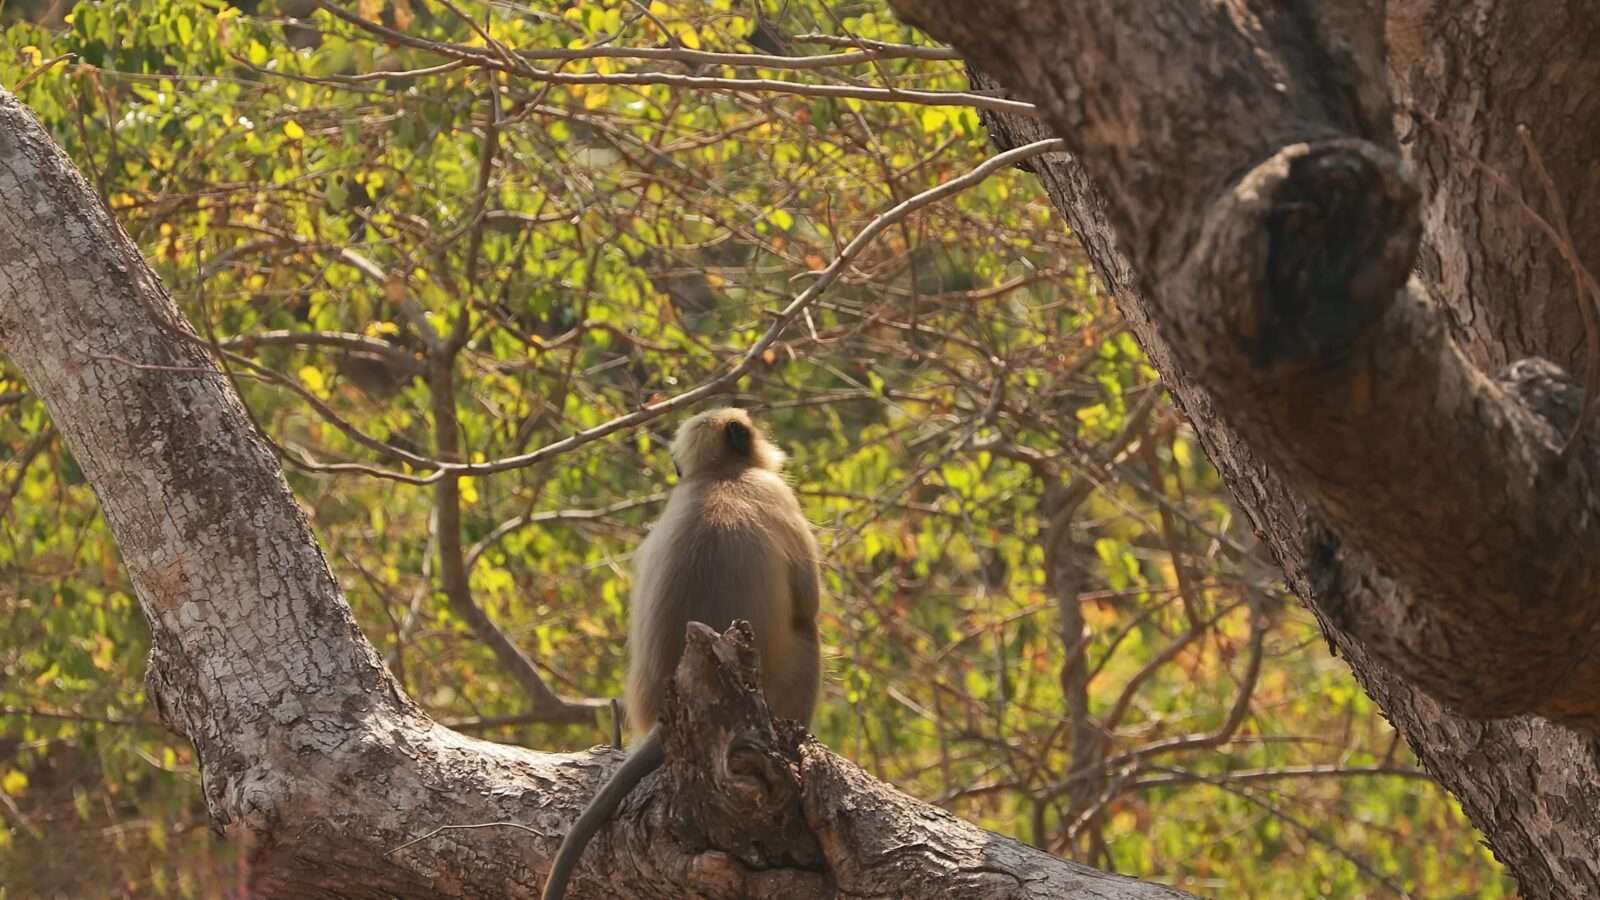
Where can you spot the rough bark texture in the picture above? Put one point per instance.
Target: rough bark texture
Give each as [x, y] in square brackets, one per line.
[307, 747]
[1237, 182]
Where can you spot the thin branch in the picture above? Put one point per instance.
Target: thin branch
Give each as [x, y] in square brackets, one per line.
[742, 60]
[908, 51]
[521, 68]
[413, 312]
[1225, 731]
[452, 557]
[781, 319]
[1223, 734]
[1131, 689]
[23, 461]
[1310, 832]
[553, 516]
[1174, 776]
[651, 411]
[355, 343]
[23, 822]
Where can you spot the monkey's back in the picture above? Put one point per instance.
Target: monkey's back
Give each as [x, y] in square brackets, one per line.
[727, 548]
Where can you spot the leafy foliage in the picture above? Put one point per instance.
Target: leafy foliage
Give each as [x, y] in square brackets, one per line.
[1042, 612]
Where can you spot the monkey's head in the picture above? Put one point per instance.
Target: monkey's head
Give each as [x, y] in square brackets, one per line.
[722, 440]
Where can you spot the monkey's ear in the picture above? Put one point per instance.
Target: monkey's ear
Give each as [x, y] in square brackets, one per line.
[739, 438]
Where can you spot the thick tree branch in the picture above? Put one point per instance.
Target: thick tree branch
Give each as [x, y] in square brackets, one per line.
[1524, 782]
[1275, 252]
[306, 744]
[1477, 75]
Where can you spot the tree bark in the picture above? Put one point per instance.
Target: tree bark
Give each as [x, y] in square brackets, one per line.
[1368, 332]
[308, 749]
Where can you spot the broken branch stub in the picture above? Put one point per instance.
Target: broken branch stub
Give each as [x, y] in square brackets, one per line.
[735, 772]
[760, 808]
[1320, 239]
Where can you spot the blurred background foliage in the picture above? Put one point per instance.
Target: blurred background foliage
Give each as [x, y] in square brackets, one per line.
[1042, 611]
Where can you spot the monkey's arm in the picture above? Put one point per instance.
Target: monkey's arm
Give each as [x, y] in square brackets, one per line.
[804, 584]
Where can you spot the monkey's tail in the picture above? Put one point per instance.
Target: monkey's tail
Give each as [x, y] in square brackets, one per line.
[645, 758]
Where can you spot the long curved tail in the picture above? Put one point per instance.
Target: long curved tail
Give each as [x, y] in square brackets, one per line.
[645, 758]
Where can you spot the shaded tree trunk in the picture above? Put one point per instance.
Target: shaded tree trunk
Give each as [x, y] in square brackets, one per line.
[1316, 219]
[308, 749]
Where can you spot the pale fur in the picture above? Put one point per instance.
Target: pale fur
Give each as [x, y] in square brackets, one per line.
[732, 543]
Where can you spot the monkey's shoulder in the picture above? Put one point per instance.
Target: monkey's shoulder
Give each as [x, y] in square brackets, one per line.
[755, 495]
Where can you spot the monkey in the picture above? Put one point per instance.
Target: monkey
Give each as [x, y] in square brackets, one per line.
[731, 543]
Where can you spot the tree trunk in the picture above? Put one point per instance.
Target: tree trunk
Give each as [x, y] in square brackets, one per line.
[1316, 218]
[307, 747]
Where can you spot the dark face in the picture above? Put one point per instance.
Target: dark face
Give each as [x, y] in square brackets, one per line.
[739, 438]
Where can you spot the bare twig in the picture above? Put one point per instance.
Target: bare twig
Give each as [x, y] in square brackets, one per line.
[354, 343]
[520, 67]
[550, 516]
[781, 319]
[1175, 776]
[22, 462]
[911, 51]
[742, 60]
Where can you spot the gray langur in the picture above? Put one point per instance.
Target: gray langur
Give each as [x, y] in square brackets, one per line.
[732, 543]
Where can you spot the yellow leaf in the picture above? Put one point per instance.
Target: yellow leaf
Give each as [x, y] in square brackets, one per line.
[293, 131]
[1181, 454]
[35, 57]
[313, 379]
[14, 783]
[469, 490]
[105, 653]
